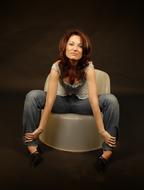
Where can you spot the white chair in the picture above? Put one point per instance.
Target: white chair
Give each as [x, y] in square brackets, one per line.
[75, 132]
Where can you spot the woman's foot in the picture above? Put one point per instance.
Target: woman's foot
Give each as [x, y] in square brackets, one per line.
[35, 156]
[103, 161]
[36, 159]
[107, 154]
[32, 148]
[100, 164]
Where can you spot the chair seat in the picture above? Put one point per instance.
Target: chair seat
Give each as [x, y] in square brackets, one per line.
[71, 132]
[74, 132]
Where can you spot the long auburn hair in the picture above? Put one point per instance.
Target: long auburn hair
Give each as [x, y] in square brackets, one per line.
[67, 70]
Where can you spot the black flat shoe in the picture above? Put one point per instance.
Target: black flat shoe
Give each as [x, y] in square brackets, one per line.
[39, 149]
[36, 159]
[101, 164]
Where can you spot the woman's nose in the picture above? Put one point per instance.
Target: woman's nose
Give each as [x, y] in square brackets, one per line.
[75, 48]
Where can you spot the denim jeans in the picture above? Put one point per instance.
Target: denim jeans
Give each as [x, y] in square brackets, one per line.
[35, 102]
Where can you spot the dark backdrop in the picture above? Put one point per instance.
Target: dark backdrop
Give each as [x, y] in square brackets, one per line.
[29, 37]
[30, 33]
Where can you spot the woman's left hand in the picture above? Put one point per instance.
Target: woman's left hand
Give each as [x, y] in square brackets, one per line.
[110, 140]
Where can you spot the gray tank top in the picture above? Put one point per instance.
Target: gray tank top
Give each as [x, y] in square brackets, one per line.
[80, 89]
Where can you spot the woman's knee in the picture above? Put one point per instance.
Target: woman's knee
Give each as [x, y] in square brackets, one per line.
[35, 97]
[111, 99]
[33, 94]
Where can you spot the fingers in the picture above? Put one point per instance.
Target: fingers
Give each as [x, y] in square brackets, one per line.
[29, 137]
[112, 145]
[26, 141]
[112, 142]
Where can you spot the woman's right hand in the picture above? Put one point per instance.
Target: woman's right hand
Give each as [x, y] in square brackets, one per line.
[29, 137]
[110, 140]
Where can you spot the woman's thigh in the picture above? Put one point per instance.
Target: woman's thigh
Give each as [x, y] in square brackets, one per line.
[81, 106]
[61, 105]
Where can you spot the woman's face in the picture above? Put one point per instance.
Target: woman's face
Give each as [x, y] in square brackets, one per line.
[74, 48]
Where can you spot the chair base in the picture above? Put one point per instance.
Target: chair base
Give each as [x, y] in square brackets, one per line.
[71, 132]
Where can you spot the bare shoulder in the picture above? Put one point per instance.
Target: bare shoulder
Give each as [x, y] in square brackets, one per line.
[55, 67]
[54, 75]
[90, 71]
[57, 62]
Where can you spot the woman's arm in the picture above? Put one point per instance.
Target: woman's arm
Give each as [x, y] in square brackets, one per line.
[93, 99]
[50, 98]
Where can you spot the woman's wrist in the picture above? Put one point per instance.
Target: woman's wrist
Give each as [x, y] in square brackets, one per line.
[101, 132]
[40, 129]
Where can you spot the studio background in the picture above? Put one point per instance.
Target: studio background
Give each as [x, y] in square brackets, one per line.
[31, 30]
[29, 36]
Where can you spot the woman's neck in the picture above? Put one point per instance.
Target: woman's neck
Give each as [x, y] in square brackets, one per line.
[73, 63]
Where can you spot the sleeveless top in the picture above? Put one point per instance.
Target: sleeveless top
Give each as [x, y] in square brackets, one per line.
[80, 89]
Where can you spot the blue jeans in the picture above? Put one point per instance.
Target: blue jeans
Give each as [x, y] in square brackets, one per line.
[35, 102]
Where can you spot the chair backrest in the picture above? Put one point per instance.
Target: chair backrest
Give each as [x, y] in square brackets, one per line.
[102, 80]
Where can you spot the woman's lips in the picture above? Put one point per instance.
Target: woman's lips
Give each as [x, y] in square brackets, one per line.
[75, 54]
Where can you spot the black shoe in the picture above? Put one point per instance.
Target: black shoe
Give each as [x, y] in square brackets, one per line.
[39, 149]
[101, 164]
[36, 159]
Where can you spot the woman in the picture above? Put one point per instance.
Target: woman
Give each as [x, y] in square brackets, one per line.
[75, 71]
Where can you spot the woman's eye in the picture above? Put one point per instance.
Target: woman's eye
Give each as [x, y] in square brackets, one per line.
[80, 46]
[72, 44]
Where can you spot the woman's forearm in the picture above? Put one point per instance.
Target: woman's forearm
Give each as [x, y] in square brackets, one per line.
[45, 115]
[51, 96]
[97, 116]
